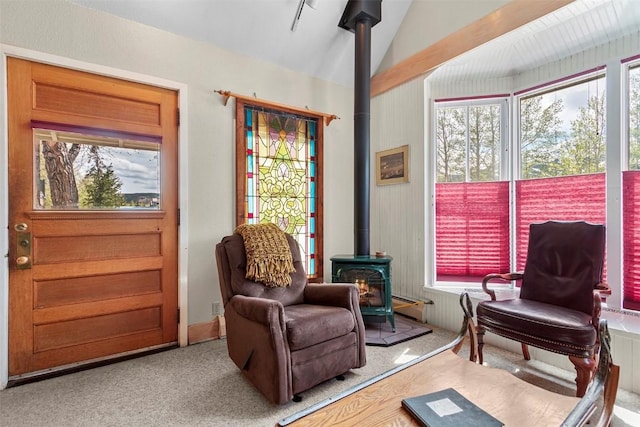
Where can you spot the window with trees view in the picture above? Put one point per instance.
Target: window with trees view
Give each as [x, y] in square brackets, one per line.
[472, 194]
[559, 174]
[562, 156]
[80, 171]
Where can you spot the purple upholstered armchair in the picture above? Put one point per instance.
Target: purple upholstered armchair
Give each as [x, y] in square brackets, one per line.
[288, 339]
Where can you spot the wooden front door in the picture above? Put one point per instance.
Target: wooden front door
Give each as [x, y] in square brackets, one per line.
[93, 217]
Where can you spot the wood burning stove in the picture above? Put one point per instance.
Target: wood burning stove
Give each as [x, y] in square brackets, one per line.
[372, 275]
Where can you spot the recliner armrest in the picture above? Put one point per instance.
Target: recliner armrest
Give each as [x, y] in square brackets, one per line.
[260, 310]
[334, 294]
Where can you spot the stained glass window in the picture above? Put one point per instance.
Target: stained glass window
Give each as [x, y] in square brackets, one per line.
[281, 177]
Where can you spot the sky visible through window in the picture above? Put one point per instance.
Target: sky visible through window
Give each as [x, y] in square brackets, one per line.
[573, 98]
[138, 169]
[87, 171]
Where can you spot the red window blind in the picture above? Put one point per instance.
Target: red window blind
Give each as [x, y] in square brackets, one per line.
[472, 228]
[567, 198]
[631, 239]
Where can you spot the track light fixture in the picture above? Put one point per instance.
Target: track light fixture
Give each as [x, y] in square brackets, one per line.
[311, 3]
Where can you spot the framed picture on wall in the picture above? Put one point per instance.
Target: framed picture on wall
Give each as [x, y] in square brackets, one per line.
[392, 166]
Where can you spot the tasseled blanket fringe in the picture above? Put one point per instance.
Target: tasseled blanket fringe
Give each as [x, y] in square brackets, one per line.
[269, 258]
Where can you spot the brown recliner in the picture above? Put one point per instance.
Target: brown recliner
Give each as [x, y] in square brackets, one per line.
[559, 305]
[288, 339]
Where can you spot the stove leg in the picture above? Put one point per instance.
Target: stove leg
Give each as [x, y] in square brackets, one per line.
[392, 322]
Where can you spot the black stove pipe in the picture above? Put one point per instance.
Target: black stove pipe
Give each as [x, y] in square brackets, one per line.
[361, 134]
[360, 16]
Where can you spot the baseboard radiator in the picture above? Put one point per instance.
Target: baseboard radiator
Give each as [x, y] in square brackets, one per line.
[410, 307]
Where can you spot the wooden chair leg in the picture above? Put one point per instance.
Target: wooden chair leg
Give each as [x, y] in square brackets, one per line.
[525, 351]
[480, 343]
[473, 356]
[585, 368]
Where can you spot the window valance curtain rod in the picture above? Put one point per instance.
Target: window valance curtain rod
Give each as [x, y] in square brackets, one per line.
[328, 118]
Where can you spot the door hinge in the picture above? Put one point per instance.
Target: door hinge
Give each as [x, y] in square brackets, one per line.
[178, 217]
[177, 117]
[178, 315]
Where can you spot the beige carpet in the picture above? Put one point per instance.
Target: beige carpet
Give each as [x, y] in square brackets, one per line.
[199, 386]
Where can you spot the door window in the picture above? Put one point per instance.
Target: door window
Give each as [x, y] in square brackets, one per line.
[91, 172]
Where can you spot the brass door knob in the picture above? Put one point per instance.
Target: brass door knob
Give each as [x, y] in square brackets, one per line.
[22, 260]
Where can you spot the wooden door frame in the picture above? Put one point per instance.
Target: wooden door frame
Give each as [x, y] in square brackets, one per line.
[181, 88]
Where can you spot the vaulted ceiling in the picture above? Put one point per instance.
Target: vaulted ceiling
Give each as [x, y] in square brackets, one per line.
[317, 46]
[263, 29]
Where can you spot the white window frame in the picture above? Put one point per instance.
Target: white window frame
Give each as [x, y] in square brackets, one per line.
[505, 165]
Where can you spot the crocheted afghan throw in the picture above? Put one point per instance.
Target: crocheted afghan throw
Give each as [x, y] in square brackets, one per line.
[269, 259]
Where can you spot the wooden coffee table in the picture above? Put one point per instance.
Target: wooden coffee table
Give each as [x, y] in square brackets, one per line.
[377, 402]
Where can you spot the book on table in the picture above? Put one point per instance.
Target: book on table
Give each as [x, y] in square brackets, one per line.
[448, 408]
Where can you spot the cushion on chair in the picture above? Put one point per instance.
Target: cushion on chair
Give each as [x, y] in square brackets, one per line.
[548, 326]
[292, 294]
[308, 324]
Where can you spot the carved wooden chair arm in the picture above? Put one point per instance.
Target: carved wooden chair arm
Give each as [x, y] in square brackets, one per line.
[507, 277]
[598, 290]
[597, 309]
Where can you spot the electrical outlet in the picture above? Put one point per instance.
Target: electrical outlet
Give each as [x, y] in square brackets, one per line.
[215, 308]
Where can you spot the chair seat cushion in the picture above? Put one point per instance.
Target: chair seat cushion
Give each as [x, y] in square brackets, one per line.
[309, 324]
[539, 324]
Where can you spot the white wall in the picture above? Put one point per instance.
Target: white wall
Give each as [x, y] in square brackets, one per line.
[398, 210]
[59, 28]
